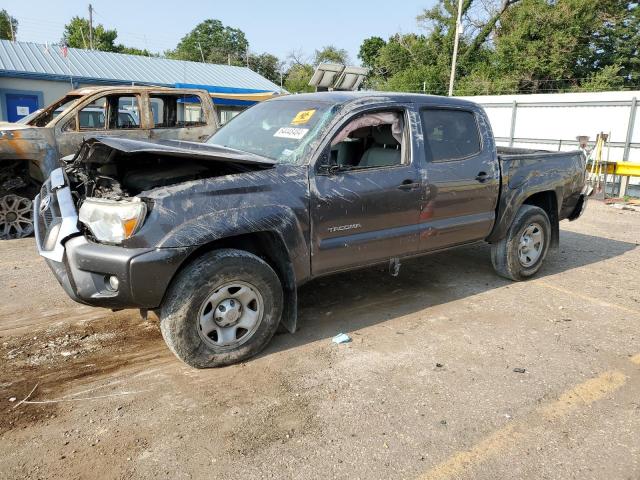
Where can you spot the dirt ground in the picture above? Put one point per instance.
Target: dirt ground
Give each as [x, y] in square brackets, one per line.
[427, 389]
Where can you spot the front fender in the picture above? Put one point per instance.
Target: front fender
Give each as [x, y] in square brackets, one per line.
[277, 219]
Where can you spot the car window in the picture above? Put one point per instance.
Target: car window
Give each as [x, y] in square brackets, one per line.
[284, 130]
[369, 141]
[176, 111]
[128, 112]
[122, 112]
[92, 116]
[449, 134]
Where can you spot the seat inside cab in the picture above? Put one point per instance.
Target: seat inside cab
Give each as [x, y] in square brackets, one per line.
[368, 147]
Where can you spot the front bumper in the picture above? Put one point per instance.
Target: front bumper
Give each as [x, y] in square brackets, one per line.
[83, 268]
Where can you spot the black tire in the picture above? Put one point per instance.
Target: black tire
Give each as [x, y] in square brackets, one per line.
[182, 306]
[505, 253]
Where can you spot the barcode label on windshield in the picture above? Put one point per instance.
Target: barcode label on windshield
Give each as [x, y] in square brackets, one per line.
[291, 132]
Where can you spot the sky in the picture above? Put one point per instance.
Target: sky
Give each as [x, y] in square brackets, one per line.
[276, 26]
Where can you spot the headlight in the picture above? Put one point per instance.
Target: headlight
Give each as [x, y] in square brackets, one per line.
[112, 221]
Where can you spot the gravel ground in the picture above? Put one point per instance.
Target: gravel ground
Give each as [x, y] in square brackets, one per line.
[453, 372]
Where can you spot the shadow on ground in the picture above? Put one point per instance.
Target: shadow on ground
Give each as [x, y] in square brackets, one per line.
[359, 299]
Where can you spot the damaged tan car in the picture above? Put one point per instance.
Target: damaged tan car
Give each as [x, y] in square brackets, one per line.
[31, 149]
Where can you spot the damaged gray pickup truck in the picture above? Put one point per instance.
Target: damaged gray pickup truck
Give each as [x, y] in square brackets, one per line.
[216, 237]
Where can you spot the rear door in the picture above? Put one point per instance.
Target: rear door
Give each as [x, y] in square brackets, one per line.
[364, 209]
[181, 116]
[462, 175]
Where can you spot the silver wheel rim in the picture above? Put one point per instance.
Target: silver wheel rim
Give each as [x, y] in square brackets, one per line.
[230, 315]
[531, 245]
[16, 217]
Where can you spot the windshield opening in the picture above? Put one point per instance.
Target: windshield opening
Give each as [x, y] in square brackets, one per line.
[52, 111]
[281, 130]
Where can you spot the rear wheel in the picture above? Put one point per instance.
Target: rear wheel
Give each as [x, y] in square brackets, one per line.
[521, 253]
[221, 309]
[16, 217]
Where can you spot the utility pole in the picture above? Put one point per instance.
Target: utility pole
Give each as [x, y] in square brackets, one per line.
[201, 52]
[90, 27]
[13, 35]
[455, 48]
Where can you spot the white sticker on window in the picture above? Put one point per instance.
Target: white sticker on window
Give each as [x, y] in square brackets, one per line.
[291, 132]
[22, 110]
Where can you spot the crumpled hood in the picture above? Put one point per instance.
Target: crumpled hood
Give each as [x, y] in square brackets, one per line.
[201, 151]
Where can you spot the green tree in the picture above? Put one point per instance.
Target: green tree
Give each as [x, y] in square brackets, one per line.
[8, 26]
[298, 76]
[134, 51]
[267, 65]
[370, 51]
[331, 54]
[606, 79]
[76, 35]
[550, 45]
[212, 42]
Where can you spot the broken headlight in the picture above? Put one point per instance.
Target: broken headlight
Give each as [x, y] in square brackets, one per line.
[112, 221]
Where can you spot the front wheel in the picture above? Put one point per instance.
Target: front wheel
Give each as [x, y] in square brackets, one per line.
[221, 309]
[521, 253]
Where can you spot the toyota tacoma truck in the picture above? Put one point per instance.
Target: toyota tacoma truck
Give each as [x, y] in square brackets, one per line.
[31, 148]
[216, 237]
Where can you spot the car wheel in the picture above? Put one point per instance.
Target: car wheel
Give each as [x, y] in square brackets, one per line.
[521, 253]
[222, 308]
[16, 217]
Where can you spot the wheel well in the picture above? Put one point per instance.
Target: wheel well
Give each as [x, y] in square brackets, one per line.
[270, 248]
[548, 202]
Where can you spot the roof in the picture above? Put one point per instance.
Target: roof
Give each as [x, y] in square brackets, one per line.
[339, 97]
[34, 60]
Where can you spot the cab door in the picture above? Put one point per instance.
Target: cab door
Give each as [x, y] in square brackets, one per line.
[365, 196]
[181, 116]
[463, 178]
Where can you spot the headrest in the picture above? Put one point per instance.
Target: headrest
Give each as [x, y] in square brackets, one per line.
[382, 136]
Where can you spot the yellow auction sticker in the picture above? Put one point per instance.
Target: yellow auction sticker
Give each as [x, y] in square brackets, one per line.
[302, 117]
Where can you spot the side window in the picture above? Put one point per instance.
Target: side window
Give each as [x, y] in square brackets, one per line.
[369, 141]
[449, 134]
[226, 113]
[92, 116]
[127, 115]
[176, 111]
[113, 112]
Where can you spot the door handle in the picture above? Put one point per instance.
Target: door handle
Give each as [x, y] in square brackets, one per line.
[482, 177]
[409, 185]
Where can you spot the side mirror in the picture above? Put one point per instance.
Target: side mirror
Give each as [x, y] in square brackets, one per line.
[327, 165]
[328, 169]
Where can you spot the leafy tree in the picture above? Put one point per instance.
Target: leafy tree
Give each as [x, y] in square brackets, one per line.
[134, 51]
[76, 35]
[606, 79]
[370, 50]
[6, 24]
[212, 42]
[298, 77]
[267, 65]
[331, 54]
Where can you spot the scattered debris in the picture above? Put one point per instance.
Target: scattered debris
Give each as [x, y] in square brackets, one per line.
[439, 365]
[341, 338]
[12, 399]
[519, 370]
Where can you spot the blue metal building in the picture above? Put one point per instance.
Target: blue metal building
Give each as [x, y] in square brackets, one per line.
[33, 75]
